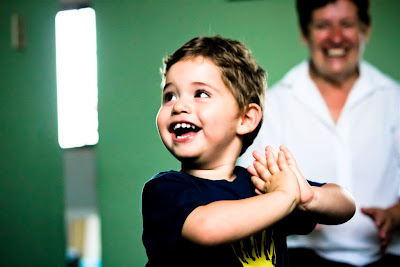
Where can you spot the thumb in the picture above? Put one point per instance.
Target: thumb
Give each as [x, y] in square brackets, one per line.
[368, 211]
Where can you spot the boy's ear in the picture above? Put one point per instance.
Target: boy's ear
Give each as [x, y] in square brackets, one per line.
[249, 120]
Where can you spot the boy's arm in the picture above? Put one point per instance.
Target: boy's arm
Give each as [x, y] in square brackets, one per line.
[228, 221]
[331, 203]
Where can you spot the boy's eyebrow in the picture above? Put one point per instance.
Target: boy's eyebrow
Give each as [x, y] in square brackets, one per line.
[166, 85]
[207, 85]
[194, 83]
[202, 83]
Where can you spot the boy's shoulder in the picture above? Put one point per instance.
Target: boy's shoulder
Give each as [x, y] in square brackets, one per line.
[172, 174]
[181, 179]
[181, 186]
[167, 176]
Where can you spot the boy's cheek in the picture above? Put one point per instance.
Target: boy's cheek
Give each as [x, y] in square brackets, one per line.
[161, 121]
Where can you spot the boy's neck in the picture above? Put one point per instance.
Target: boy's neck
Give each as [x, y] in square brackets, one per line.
[222, 172]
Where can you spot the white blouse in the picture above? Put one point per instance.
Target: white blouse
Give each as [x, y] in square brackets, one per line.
[361, 152]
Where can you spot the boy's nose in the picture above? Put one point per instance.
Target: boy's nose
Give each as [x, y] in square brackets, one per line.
[181, 106]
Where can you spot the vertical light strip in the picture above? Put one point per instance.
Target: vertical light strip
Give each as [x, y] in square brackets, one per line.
[76, 78]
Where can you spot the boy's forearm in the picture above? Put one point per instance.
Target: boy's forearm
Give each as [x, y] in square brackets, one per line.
[332, 204]
[228, 221]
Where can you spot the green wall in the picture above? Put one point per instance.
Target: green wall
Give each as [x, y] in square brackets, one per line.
[133, 36]
[31, 185]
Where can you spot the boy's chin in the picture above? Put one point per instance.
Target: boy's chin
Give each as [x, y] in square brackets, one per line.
[185, 159]
[190, 162]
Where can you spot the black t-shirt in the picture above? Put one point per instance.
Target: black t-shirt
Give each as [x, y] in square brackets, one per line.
[169, 197]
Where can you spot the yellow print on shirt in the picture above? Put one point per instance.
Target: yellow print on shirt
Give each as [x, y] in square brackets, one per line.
[258, 250]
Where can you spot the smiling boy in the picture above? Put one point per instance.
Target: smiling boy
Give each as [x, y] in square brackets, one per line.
[208, 213]
[193, 120]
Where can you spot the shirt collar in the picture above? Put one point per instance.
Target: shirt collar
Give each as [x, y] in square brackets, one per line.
[370, 81]
[298, 80]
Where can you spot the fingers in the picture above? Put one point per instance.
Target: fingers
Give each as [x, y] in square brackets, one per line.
[262, 179]
[367, 211]
[259, 184]
[374, 214]
[382, 223]
[276, 162]
[384, 237]
[260, 157]
[265, 166]
[272, 163]
[291, 161]
[258, 192]
[383, 232]
[260, 173]
[252, 170]
[282, 163]
[289, 156]
[272, 150]
[276, 165]
[261, 170]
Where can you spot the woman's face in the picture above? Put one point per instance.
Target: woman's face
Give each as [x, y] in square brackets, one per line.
[336, 40]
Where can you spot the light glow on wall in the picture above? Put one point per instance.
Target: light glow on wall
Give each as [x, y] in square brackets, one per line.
[76, 78]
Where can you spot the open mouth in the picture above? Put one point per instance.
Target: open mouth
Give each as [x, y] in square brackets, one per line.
[184, 130]
[335, 52]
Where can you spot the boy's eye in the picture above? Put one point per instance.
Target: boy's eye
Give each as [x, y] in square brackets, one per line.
[168, 97]
[201, 94]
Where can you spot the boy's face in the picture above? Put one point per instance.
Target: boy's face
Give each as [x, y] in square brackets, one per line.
[336, 39]
[199, 115]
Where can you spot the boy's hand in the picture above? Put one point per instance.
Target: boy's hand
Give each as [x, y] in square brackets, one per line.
[306, 192]
[271, 173]
[257, 181]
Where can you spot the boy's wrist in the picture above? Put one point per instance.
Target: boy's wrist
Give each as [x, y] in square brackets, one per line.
[310, 205]
[288, 198]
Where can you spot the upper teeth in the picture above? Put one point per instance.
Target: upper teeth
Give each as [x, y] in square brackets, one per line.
[183, 125]
[336, 52]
